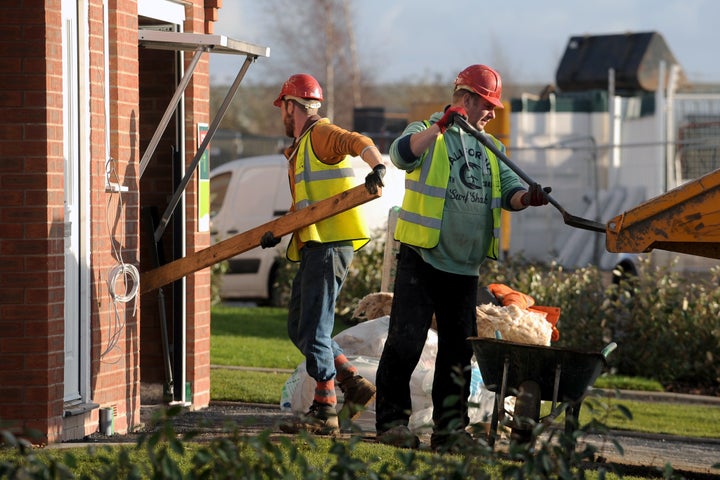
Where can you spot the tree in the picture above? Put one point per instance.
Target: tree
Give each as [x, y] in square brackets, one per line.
[316, 37]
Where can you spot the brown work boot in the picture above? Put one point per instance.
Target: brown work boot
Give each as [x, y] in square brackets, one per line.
[320, 419]
[358, 393]
[399, 436]
[453, 442]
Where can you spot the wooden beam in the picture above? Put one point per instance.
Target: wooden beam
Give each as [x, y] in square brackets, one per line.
[242, 242]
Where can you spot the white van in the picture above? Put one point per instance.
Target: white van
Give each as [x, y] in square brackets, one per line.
[249, 192]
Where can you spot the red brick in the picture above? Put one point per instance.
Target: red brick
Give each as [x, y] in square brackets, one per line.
[19, 312]
[7, 296]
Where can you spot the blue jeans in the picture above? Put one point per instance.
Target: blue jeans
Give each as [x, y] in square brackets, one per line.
[311, 313]
[421, 290]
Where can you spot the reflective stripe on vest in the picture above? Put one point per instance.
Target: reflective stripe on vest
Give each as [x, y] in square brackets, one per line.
[315, 181]
[420, 218]
[495, 201]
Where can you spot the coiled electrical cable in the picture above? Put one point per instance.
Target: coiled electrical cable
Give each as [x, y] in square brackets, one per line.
[130, 272]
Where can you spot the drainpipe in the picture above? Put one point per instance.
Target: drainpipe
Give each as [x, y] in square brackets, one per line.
[672, 174]
[106, 91]
[661, 129]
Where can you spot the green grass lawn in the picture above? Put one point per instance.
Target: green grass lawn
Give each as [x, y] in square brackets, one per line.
[252, 337]
[257, 337]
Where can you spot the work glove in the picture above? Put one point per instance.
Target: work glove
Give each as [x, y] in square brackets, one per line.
[269, 240]
[536, 196]
[374, 179]
[449, 117]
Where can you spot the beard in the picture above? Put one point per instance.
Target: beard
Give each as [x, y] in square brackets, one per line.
[289, 126]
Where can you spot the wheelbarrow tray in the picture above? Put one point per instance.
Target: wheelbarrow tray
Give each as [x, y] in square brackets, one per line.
[558, 371]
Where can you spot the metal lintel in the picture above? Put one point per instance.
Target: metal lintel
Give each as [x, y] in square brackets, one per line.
[164, 40]
[200, 43]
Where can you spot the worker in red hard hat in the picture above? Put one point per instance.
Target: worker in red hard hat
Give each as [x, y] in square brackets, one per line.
[482, 80]
[449, 223]
[319, 167]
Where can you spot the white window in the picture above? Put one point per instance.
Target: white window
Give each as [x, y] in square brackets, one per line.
[166, 10]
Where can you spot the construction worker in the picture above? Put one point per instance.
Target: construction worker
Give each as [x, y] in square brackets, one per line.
[448, 224]
[319, 167]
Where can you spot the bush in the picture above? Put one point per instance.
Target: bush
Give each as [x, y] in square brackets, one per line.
[579, 294]
[364, 277]
[164, 453]
[666, 324]
[217, 270]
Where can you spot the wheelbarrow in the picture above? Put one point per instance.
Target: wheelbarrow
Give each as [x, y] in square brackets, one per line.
[533, 373]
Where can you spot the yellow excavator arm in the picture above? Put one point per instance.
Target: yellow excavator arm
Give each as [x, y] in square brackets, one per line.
[683, 220]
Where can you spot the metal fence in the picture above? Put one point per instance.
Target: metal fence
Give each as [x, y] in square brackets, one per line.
[697, 122]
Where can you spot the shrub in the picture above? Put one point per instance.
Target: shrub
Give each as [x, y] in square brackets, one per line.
[578, 293]
[217, 271]
[666, 324]
[164, 453]
[364, 277]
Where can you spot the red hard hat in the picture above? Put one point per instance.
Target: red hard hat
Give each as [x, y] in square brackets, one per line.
[300, 85]
[482, 80]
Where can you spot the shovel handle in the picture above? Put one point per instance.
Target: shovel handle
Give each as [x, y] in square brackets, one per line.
[462, 123]
[487, 142]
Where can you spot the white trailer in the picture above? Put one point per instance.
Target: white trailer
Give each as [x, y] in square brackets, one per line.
[604, 152]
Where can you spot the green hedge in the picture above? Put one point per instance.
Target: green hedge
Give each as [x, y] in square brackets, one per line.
[666, 324]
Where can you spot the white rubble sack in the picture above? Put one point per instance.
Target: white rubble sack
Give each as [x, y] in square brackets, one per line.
[363, 345]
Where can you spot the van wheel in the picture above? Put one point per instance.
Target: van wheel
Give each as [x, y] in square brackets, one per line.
[623, 271]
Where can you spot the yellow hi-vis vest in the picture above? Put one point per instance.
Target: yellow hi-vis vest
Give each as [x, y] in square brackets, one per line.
[422, 207]
[315, 181]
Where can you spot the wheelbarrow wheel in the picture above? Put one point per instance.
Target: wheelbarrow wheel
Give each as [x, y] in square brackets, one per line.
[527, 411]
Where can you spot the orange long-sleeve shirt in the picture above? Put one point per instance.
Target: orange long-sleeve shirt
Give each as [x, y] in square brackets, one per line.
[329, 142]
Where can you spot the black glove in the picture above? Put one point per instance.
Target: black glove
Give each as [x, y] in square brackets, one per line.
[374, 179]
[269, 240]
[536, 196]
[449, 117]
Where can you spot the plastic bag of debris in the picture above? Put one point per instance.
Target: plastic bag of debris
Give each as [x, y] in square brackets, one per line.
[363, 344]
[514, 324]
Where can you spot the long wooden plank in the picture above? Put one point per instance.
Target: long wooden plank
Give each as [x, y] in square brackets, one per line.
[242, 242]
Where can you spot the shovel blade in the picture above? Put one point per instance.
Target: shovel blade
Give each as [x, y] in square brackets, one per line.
[583, 223]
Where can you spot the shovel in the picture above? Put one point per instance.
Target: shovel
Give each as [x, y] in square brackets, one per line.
[572, 220]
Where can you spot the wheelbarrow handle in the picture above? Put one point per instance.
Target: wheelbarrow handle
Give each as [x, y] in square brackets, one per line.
[569, 219]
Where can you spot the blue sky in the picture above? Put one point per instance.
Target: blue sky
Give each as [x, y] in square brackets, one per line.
[523, 39]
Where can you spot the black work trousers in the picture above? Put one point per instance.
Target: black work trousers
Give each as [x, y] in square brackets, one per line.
[421, 290]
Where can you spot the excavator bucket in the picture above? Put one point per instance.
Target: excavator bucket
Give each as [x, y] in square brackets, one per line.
[683, 220]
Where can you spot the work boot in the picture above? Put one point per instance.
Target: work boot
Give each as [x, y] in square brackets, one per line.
[358, 393]
[398, 436]
[453, 442]
[320, 419]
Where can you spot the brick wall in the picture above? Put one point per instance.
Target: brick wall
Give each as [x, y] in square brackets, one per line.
[32, 261]
[31, 216]
[115, 217]
[198, 346]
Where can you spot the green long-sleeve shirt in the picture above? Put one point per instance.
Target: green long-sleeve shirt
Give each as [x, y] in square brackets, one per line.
[467, 221]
